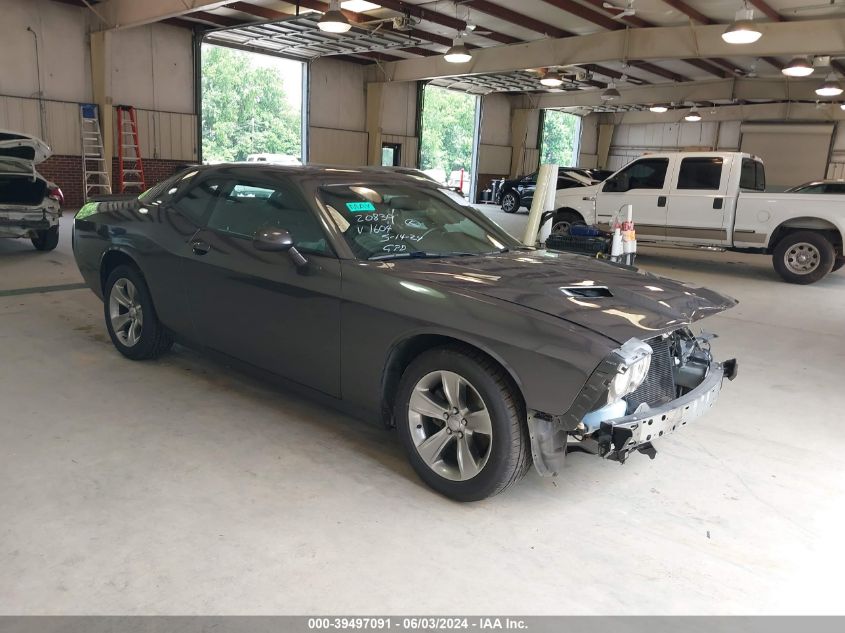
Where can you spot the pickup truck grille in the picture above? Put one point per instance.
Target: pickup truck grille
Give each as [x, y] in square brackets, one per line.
[659, 385]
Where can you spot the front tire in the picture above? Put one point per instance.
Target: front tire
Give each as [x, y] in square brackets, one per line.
[47, 239]
[462, 424]
[803, 257]
[510, 202]
[131, 318]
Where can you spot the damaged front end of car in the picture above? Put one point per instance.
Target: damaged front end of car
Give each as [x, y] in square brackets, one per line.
[642, 391]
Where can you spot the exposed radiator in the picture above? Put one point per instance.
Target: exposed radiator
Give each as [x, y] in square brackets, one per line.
[659, 385]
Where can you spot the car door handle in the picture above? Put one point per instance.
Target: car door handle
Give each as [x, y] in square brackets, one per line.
[199, 247]
[718, 203]
[661, 201]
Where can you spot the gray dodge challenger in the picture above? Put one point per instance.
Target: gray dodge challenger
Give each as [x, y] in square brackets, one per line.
[386, 295]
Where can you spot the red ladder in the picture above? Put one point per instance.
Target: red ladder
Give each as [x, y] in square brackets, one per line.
[130, 167]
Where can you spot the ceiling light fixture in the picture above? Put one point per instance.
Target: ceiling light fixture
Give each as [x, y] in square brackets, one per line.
[798, 67]
[459, 53]
[830, 88]
[611, 94]
[333, 21]
[693, 116]
[659, 109]
[743, 30]
[552, 79]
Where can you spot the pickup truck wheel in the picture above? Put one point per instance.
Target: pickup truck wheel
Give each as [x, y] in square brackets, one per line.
[462, 424]
[46, 240]
[564, 222]
[131, 318]
[510, 202]
[803, 257]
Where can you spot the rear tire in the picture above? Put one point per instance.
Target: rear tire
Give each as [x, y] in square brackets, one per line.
[131, 318]
[564, 221]
[803, 257]
[47, 239]
[470, 445]
[510, 202]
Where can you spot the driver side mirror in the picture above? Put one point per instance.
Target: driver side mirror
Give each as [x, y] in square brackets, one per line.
[274, 240]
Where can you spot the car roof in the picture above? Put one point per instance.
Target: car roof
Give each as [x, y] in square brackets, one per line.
[337, 173]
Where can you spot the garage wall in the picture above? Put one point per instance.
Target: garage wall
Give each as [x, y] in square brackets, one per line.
[495, 149]
[337, 106]
[151, 67]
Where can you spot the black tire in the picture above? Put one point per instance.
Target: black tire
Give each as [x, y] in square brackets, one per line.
[821, 252]
[839, 263]
[511, 202]
[154, 339]
[47, 239]
[564, 220]
[508, 452]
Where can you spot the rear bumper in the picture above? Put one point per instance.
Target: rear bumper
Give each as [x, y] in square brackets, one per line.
[618, 438]
[22, 223]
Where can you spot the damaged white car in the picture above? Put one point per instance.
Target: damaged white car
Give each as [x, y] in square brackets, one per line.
[30, 205]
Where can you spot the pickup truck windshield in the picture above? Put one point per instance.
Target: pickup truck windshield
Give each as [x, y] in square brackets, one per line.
[392, 221]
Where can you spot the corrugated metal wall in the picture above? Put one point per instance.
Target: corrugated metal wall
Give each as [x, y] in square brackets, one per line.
[165, 135]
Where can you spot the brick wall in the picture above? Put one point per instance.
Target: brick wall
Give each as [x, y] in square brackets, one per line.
[66, 172]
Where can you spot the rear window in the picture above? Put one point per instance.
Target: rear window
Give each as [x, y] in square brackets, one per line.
[753, 176]
[700, 173]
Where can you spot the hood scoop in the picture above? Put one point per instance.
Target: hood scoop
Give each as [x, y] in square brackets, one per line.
[586, 292]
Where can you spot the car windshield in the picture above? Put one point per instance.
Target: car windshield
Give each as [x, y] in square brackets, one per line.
[388, 221]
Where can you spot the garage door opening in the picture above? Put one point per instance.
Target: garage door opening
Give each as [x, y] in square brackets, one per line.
[449, 137]
[252, 106]
[561, 138]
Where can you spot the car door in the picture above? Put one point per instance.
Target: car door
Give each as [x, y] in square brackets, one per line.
[526, 189]
[261, 307]
[643, 184]
[698, 202]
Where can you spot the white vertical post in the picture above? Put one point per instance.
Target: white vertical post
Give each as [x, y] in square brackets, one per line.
[544, 199]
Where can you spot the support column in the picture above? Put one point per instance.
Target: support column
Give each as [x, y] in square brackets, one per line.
[526, 155]
[102, 91]
[603, 151]
[375, 97]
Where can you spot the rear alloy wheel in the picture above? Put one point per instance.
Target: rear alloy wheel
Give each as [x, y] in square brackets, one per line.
[131, 318]
[510, 202]
[803, 257]
[564, 222]
[46, 240]
[462, 424]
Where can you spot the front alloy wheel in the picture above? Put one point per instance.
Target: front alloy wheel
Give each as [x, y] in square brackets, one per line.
[462, 422]
[450, 425]
[510, 202]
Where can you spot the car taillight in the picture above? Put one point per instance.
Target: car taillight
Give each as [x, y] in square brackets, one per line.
[56, 194]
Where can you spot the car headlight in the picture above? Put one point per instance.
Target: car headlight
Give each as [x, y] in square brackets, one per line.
[633, 368]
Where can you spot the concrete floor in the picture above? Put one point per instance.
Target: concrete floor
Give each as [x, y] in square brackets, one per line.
[181, 487]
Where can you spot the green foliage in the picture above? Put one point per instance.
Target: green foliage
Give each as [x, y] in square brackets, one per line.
[448, 124]
[244, 108]
[560, 138]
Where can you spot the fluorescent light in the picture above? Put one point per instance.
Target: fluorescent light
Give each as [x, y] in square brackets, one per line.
[552, 80]
[842, 106]
[743, 30]
[798, 67]
[611, 93]
[693, 116]
[659, 109]
[830, 88]
[359, 5]
[458, 54]
[333, 21]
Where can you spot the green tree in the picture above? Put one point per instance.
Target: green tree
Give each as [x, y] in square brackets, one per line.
[244, 108]
[560, 138]
[448, 124]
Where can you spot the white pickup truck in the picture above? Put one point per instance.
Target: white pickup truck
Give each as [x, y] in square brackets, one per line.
[715, 199]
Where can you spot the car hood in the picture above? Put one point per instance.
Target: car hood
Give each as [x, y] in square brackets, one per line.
[616, 301]
[580, 192]
[23, 147]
